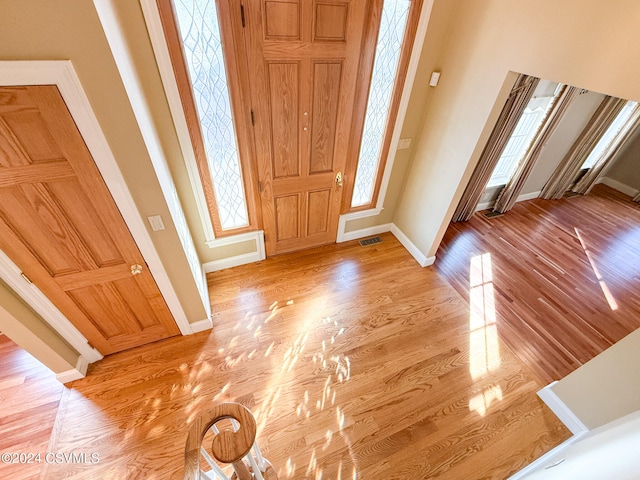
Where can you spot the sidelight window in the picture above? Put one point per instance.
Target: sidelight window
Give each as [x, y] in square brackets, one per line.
[201, 40]
[386, 65]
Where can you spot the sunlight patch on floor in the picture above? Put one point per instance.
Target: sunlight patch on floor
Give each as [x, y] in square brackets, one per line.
[483, 333]
[316, 340]
[481, 402]
[484, 349]
[603, 285]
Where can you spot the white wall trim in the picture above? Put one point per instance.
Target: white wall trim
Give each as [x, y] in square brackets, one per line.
[420, 257]
[619, 186]
[546, 459]
[366, 232]
[521, 198]
[201, 325]
[12, 276]
[163, 59]
[75, 373]
[62, 74]
[343, 236]
[412, 70]
[377, 229]
[561, 410]
[528, 196]
[231, 262]
[485, 206]
[257, 236]
[347, 217]
[123, 56]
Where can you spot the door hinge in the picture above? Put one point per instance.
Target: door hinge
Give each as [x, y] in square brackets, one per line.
[259, 187]
[253, 120]
[28, 280]
[242, 15]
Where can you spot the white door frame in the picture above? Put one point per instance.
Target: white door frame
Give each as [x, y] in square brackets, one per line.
[62, 74]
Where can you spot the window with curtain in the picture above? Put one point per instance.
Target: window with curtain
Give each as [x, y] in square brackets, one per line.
[610, 135]
[528, 125]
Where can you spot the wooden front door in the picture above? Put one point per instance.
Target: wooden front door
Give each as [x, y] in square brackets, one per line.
[60, 225]
[303, 58]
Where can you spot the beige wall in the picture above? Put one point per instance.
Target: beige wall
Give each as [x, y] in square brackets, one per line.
[55, 30]
[435, 39]
[559, 143]
[625, 167]
[607, 387]
[134, 29]
[574, 120]
[586, 43]
[27, 329]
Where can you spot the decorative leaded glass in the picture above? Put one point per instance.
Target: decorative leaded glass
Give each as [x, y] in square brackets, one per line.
[200, 32]
[385, 68]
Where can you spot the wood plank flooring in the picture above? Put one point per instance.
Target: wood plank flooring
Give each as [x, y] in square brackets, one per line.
[356, 362]
[29, 399]
[566, 275]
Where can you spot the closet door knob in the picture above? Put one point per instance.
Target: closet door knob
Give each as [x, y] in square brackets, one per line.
[136, 269]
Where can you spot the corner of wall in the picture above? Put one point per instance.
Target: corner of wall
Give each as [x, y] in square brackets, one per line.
[561, 410]
[31, 332]
[80, 371]
[420, 257]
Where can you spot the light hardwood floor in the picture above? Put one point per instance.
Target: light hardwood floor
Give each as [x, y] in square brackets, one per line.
[566, 275]
[360, 364]
[29, 399]
[356, 362]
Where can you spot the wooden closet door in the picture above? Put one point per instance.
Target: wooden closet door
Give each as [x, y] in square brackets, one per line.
[60, 225]
[303, 57]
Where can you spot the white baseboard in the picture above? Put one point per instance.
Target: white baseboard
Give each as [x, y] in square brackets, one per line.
[420, 257]
[521, 198]
[561, 410]
[366, 232]
[377, 229]
[619, 186]
[528, 196]
[343, 236]
[201, 325]
[485, 206]
[75, 373]
[566, 416]
[229, 262]
[545, 459]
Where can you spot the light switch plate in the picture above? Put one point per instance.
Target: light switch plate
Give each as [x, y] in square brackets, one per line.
[404, 143]
[156, 223]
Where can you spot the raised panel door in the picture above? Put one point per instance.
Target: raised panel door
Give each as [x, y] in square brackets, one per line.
[303, 58]
[60, 225]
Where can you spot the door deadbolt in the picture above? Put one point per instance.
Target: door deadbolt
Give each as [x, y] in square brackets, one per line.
[339, 179]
